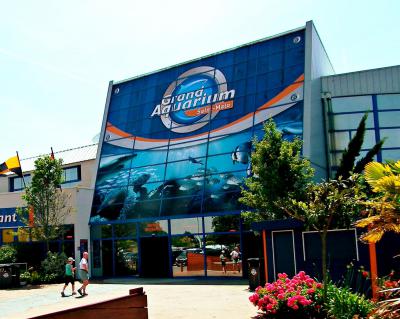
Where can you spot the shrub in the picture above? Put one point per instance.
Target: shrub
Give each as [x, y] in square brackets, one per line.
[299, 297]
[388, 309]
[49, 278]
[7, 254]
[357, 279]
[25, 276]
[386, 285]
[53, 266]
[342, 303]
[35, 278]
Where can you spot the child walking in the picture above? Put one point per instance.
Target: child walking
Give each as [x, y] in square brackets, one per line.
[69, 276]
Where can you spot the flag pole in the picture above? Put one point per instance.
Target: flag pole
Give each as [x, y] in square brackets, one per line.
[22, 173]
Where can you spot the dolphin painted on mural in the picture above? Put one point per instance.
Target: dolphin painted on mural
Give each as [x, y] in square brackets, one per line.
[112, 203]
[139, 181]
[114, 170]
[241, 153]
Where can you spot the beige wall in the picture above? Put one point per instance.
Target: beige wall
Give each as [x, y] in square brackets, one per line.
[87, 172]
[81, 196]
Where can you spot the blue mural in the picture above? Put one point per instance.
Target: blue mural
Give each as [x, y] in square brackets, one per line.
[178, 142]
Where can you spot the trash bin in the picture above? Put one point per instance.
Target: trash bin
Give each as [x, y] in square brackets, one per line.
[15, 274]
[9, 275]
[5, 276]
[256, 272]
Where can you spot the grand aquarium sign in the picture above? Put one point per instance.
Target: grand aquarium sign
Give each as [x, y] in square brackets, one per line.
[177, 142]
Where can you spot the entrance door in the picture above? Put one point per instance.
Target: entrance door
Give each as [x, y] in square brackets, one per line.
[154, 257]
[284, 257]
[107, 257]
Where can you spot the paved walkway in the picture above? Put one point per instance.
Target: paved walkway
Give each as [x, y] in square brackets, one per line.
[166, 299]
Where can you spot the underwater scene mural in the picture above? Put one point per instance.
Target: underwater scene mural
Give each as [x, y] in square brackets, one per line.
[178, 142]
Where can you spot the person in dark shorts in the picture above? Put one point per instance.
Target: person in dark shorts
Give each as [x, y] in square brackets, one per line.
[69, 276]
[223, 261]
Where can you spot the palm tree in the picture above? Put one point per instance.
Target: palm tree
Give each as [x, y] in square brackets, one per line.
[384, 208]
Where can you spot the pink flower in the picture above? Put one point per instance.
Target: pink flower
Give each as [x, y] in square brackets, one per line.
[282, 276]
[254, 298]
[281, 296]
[270, 306]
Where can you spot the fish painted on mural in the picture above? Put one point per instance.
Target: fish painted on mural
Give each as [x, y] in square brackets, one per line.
[195, 161]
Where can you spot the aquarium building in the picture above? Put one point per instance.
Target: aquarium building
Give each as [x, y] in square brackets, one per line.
[175, 147]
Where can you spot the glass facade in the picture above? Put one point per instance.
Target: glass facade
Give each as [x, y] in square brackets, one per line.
[30, 249]
[383, 122]
[176, 151]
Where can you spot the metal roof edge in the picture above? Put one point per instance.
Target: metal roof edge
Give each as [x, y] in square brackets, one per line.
[361, 71]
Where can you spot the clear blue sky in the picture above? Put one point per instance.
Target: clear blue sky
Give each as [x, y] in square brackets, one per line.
[57, 57]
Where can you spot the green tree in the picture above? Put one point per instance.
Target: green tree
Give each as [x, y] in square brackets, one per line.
[49, 203]
[279, 174]
[384, 208]
[225, 223]
[328, 205]
[348, 162]
[8, 254]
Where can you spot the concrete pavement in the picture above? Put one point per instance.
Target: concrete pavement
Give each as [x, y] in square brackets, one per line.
[195, 299]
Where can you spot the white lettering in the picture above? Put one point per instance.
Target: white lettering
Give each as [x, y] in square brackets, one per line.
[187, 105]
[157, 111]
[227, 95]
[8, 218]
[199, 93]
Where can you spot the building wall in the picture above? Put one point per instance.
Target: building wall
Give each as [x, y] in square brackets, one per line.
[80, 198]
[349, 96]
[317, 65]
[376, 81]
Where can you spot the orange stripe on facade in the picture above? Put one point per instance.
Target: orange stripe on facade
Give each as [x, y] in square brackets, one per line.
[298, 82]
[285, 92]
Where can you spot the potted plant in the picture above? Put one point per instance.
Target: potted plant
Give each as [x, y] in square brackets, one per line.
[25, 278]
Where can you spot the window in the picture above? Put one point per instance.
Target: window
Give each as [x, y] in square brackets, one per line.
[71, 174]
[389, 102]
[352, 104]
[17, 184]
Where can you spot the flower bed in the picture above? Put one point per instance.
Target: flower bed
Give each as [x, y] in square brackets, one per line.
[299, 297]
[302, 298]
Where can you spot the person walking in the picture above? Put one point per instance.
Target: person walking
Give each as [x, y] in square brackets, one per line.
[223, 261]
[84, 274]
[235, 258]
[69, 276]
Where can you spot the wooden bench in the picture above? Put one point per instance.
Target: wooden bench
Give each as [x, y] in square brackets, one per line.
[132, 306]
